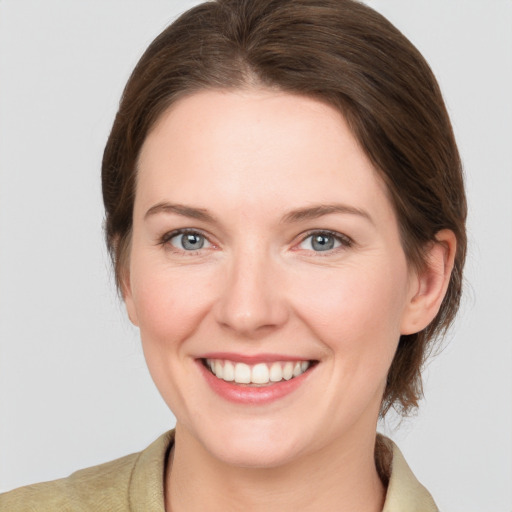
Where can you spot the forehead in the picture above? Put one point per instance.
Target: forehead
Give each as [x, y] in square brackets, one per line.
[256, 145]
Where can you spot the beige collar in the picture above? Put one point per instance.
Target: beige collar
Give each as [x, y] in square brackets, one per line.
[405, 493]
[146, 488]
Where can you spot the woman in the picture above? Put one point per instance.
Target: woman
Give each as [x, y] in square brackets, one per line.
[285, 210]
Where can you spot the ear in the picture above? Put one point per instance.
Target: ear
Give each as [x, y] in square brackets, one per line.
[122, 249]
[126, 290]
[429, 285]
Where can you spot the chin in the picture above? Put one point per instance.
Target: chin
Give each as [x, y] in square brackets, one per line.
[254, 443]
[253, 454]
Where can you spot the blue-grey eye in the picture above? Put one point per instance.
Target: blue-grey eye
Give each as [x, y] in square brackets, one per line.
[189, 241]
[320, 242]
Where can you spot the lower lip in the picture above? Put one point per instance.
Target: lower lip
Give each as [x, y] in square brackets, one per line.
[255, 395]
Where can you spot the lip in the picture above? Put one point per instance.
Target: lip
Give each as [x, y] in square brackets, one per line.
[252, 395]
[251, 360]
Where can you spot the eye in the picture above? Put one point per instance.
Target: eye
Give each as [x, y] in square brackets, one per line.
[186, 240]
[321, 241]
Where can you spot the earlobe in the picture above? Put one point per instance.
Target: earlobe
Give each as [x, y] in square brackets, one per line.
[430, 283]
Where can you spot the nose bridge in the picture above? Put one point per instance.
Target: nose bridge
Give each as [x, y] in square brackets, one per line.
[252, 299]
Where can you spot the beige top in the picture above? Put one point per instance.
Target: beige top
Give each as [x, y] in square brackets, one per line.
[135, 483]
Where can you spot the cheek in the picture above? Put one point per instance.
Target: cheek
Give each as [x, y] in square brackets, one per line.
[356, 312]
[169, 302]
[170, 306]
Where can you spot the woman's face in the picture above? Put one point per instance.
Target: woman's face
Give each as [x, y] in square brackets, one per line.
[264, 243]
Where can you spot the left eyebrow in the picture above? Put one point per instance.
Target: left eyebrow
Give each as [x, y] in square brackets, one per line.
[314, 212]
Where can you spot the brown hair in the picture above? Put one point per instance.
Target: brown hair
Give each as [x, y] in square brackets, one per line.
[342, 53]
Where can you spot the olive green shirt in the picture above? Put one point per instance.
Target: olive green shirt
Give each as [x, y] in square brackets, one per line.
[135, 483]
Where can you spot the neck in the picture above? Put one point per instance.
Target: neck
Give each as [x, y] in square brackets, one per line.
[341, 477]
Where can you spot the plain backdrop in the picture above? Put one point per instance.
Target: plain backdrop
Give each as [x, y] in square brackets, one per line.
[74, 389]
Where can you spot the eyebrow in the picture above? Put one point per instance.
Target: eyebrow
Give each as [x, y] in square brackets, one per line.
[316, 211]
[180, 209]
[294, 216]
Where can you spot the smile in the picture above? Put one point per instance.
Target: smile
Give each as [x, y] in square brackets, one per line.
[254, 380]
[257, 374]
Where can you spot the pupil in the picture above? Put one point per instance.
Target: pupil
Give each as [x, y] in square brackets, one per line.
[192, 241]
[323, 242]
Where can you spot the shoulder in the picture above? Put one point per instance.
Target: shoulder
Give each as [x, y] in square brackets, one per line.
[111, 487]
[103, 487]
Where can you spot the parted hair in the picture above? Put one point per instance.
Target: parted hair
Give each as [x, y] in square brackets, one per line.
[340, 52]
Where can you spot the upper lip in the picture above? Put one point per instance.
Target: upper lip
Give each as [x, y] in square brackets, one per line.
[253, 359]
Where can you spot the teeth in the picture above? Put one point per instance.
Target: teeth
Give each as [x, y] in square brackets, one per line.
[261, 373]
[288, 371]
[218, 369]
[276, 372]
[228, 373]
[242, 373]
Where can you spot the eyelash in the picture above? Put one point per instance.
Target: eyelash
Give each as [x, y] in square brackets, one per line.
[345, 241]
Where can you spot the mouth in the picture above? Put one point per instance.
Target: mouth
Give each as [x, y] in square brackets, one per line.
[261, 374]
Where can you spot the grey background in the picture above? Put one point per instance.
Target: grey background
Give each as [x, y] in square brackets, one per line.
[74, 389]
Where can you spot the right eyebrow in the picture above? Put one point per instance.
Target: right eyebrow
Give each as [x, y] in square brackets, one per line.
[180, 209]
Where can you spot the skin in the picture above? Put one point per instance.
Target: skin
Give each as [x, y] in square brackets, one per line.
[248, 158]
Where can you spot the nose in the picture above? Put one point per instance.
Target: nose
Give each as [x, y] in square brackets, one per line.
[252, 303]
